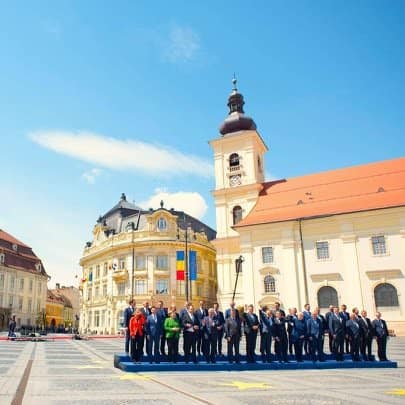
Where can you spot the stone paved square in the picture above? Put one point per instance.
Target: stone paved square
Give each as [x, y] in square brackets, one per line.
[82, 372]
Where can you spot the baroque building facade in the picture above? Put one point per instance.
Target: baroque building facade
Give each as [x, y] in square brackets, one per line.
[336, 237]
[133, 255]
[23, 282]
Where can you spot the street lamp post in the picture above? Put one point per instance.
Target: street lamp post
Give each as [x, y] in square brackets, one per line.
[186, 266]
[238, 265]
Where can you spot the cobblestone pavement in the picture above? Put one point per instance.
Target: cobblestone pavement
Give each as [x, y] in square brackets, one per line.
[82, 372]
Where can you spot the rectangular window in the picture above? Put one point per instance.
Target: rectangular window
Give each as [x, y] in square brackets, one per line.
[162, 262]
[20, 303]
[98, 271]
[122, 264]
[378, 243]
[199, 265]
[29, 305]
[21, 284]
[322, 250]
[102, 318]
[1, 280]
[97, 292]
[38, 306]
[267, 254]
[1, 301]
[96, 318]
[199, 290]
[121, 288]
[140, 287]
[89, 292]
[104, 290]
[31, 285]
[39, 287]
[140, 263]
[180, 287]
[2, 258]
[10, 301]
[12, 283]
[162, 286]
[105, 269]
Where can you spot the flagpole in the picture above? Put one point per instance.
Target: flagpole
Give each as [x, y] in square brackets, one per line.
[186, 265]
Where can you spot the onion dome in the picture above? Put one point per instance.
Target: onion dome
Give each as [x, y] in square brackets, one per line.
[236, 120]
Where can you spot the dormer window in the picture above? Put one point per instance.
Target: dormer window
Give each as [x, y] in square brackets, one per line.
[15, 247]
[38, 266]
[162, 224]
[2, 258]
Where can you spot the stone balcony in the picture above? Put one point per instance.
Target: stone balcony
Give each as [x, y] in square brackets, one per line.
[120, 275]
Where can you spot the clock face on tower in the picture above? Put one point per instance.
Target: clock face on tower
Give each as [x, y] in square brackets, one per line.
[235, 180]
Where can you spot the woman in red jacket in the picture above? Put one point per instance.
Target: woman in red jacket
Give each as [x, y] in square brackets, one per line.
[136, 330]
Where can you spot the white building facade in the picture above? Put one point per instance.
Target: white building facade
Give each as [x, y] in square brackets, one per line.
[335, 237]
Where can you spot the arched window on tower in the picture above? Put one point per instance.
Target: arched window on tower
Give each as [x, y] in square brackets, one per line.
[233, 162]
[327, 296]
[237, 214]
[385, 295]
[269, 284]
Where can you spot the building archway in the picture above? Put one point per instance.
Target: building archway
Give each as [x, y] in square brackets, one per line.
[327, 295]
[386, 295]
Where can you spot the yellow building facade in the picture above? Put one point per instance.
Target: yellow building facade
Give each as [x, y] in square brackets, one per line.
[54, 311]
[133, 254]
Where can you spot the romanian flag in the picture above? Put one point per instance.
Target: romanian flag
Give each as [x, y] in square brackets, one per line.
[180, 265]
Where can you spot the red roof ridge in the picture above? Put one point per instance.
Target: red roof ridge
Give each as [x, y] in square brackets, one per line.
[10, 238]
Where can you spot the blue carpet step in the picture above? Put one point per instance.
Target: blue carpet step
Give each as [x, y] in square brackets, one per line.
[225, 366]
[123, 357]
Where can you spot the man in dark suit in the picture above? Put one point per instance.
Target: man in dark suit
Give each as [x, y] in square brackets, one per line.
[251, 327]
[200, 314]
[324, 328]
[233, 334]
[290, 318]
[161, 312]
[266, 324]
[228, 311]
[353, 331]
[307, 315]
[277, 307]
[279, 333]
[145, 310]
[154, 331]
[220, 327]
[366, 336]
[128, 312]
[191, 327]
[381, 334]
[345, 316]
[209, 329]
[327, 315]
[337, 329]
[315, 330]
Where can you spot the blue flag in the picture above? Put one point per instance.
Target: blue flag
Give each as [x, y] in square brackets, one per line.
[193, 265]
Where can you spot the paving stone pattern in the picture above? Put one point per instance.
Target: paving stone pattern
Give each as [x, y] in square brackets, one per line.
[82, 372]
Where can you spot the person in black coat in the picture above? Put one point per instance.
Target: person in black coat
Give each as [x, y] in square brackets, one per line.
[327, 316]
[209, 330]
[290, 318]
[191, 328]
[279, 332]
[298, 334]
[233, 334]
[220, 328]
[251, 326]
[353, 331]
[337, 329]
[366, 337]
[380, 332]
[128, 312]
[163, 314]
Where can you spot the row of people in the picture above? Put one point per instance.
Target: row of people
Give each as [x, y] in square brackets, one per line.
[203, 331]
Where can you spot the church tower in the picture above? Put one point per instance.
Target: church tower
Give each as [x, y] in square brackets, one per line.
[239, 174]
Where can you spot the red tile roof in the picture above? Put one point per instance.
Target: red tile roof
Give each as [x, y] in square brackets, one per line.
[9, 238]
[352, 189]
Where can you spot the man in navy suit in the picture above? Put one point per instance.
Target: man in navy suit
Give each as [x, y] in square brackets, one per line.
[220, 327]
[200, 314]
[251, 326]
[209, 330]
[129, 311]
[233, 335]
[337, 330]
[345, 316]
[266, 324]
[154, 331]
[381, 334]
[354, 332]
[161, 312]
[315, 330]
[366, 337]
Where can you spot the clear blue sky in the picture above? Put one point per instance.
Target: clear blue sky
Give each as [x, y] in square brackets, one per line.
[98, 97]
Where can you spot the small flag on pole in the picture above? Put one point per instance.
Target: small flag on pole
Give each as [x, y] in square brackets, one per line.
[180, 265]
[193, 265]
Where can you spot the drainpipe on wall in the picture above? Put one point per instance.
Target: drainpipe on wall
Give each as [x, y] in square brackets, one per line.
[304, 266]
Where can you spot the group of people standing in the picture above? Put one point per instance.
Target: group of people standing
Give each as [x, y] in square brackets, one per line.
[152, 328]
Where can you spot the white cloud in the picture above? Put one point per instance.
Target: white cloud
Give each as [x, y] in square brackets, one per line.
[122, 154]
[190, 202]
[182, 46]
[91, 175]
